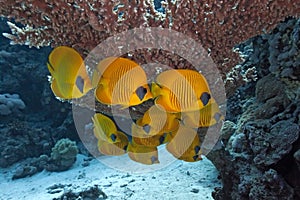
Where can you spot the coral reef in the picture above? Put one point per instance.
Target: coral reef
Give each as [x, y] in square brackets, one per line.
[33, 131]
[10, 103]
[259, 156]
[84, 24]
[63, 155]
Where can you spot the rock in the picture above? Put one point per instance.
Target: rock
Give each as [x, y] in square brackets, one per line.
[297, 158]
[194, 190]
[271, 143]
[270, 186]
[89, 193]
[24, 171]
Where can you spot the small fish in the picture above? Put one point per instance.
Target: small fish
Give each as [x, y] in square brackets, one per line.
[120, 81]
[115, 149]
[185, 145]
[69, 77]
[142, 154]
[152, 129]
[207, 116]
[156, 121]
[105, 129]
[181, 90]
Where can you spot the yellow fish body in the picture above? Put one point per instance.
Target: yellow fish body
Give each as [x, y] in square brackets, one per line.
[205, 117]
[105, 129]
[181, 90]
[120, 81]
[142, 154]
[69, 77]
[185, 145]
[114, 149]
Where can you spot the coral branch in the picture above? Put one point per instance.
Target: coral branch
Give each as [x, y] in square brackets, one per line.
[82, 24]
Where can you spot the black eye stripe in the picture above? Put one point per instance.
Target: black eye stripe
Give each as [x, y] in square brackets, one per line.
[141, 92]
[80, 83]
[217, 116]
[153, 159]
[197, 149]
[113, 137]
[205, 97]
[146, 128]
[195, 157]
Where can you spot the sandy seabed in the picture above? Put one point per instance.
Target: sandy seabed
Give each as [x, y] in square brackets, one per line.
[172, 180]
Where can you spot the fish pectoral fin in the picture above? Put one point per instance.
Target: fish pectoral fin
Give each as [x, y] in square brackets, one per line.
[101, 95]
[155, 89]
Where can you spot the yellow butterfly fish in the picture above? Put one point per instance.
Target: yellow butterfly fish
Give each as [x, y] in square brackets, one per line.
[181, 90]
[157, 121]
[69, 77]
[142, 154]
[185, 145]
[105, 129]
[207, 116]
[155, 125]
[120, 81]
[115, 149]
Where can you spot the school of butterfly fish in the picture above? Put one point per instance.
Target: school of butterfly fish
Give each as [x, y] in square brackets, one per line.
[182, 97]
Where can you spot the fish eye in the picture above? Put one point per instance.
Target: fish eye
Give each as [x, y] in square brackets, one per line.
[80, 83]
[141, 92]
[205, 97]
[125, 147]
[146, 128]
[113, 137]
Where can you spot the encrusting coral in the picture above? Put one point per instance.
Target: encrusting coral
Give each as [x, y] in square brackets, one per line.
[63, 155]
[217, 25]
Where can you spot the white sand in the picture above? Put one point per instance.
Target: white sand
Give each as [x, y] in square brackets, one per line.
[176, 181]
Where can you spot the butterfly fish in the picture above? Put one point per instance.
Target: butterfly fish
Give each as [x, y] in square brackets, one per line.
[105, 129]
[205, 117]
[155, 125]
[185, 145]
[69, 78]
[114, 149]
[181, 90]
[120, 81]
[147, 155]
